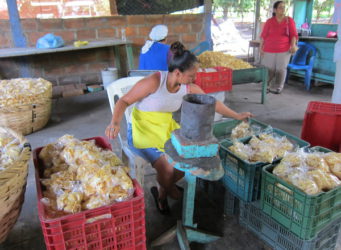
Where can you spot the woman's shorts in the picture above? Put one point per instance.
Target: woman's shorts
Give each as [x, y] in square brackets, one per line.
[149, 154]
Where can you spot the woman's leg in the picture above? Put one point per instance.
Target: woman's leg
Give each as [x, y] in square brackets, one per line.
[268, 60]
[282, 60]
[178, 175]
[167, 176]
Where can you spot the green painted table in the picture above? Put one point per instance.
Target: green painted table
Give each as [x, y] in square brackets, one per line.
[257, 74]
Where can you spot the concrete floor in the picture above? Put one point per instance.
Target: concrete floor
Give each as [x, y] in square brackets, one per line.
[88, 115]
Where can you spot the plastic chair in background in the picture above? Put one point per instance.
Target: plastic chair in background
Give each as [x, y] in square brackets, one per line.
[200, 48]
[115, 91]
[303, 60]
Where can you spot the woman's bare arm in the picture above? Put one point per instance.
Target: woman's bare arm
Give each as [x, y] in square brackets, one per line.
[140, 90]
[220, 107]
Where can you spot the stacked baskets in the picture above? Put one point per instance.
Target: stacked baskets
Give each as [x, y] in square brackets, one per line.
[13, 185]
[25, 104]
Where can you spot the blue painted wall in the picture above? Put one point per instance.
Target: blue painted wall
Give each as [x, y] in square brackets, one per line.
[303, 11]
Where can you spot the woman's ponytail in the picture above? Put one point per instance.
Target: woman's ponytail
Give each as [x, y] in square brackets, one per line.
[177, 48]
[181, 58]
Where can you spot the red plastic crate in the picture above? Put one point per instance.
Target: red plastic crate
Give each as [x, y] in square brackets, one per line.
[215, 81]
[321, 125]
[117, 226]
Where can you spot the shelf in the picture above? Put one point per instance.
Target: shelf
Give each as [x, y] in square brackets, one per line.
[15, 52]
[317, 38]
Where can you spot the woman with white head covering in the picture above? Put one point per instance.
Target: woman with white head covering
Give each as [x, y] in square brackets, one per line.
[154, 53]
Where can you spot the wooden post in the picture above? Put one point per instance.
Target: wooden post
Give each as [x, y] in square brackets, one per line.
[208, 18]
[257, 21]
[14, 18]
[113, 7]
[18, 37]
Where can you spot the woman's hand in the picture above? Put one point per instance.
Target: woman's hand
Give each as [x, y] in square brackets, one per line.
[293, 49]
[261, 52]
[112, 130]
[244, 116]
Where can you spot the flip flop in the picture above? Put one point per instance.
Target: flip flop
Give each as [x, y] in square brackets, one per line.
[276, 92]
[181, 189]
[165, 210]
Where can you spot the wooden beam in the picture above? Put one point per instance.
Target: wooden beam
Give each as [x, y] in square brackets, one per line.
[207, 20]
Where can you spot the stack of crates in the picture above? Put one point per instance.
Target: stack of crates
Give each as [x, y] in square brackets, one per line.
[279, 237]
[321, 125]
[222, 131]
[285, 217]
[302, 214]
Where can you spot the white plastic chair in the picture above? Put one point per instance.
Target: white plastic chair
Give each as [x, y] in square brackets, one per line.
[115, 91]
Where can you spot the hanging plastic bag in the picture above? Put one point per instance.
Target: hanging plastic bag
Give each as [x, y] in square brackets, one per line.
[331, 34]
[50, 41]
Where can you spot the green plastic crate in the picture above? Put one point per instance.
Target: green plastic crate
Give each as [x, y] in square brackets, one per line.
[243, 178]
[231, 203]
[304, 215]
[280, 238]
[222, 130]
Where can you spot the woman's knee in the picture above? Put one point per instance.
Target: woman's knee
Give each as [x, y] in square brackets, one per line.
[163, 166]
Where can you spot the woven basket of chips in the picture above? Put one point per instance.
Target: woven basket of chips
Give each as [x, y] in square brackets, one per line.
[14, 157]
[25, 104]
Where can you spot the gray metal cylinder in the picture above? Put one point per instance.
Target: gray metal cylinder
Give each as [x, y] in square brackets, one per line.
[197, 116]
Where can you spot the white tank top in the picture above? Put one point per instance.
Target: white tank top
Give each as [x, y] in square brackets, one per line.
[162, 100]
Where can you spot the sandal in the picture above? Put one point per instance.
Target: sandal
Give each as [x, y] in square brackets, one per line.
[181, 189]
[277, 91]
[165, 207]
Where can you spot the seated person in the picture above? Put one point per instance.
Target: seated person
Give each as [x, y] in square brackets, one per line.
[155, 97]
[154, 53]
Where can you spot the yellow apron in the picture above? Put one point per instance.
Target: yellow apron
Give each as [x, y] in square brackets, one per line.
[152, 129]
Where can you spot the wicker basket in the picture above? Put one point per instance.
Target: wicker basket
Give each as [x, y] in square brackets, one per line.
[9, 219]
[12, 187]
[26, 119]
[25, 114]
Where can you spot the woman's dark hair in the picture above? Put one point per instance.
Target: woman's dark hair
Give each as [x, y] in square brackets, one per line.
[181, 58]
[276, 6]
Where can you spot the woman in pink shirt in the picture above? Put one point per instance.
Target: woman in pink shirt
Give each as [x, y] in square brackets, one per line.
[278, 42]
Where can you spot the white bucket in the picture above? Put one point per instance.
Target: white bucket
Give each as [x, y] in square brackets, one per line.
[219, 96]
[108, 76]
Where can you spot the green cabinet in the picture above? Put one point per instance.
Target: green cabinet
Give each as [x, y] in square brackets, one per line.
[324, 66]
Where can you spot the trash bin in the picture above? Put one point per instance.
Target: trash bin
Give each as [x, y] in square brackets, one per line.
[108, 76]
